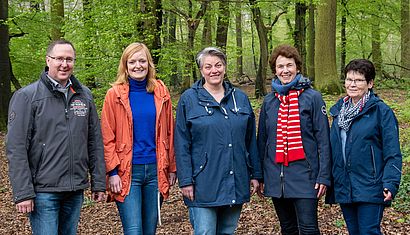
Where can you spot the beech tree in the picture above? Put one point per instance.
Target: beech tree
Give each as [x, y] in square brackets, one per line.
[326, 78]
[5, 73]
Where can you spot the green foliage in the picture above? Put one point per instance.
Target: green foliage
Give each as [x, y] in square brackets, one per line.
[339, 223]
[402, 200]
[88, 202]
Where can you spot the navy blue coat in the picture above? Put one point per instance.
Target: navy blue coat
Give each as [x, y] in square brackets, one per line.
[299, 178]
[215, 146]
[373, 157]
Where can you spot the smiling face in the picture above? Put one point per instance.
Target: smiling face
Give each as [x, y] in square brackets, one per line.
[213, 70]
[60, 71]
[356, 85]
[286, 69]
[137, 65]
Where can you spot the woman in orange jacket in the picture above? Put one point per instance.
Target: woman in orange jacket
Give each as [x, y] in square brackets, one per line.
[137, 127]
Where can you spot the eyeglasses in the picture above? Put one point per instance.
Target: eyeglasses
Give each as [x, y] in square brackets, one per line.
[358, 82]
[61, 60]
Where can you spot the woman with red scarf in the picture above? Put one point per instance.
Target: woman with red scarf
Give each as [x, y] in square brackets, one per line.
[294, 145]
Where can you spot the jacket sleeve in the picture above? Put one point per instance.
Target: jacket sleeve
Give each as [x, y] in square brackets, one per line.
[252, 146]
[108, 128]
[170, 132]
[17, 146]
[322, 136]
[262, 138]
[96, 151]
[391, 151]
[183, 146]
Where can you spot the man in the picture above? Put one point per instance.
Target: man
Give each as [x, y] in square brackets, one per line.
[53, 143]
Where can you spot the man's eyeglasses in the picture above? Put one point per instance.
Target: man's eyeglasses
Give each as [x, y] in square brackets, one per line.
[61, 60]
[358, 82]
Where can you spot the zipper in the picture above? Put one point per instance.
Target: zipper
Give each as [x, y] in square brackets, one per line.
[66, 103]
[282, 182]
[373, 162]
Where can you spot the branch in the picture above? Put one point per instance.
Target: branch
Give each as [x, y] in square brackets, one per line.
[277, 18]
[397, 65]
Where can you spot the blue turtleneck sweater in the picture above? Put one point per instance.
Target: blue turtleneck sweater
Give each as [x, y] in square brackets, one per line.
[143, 118]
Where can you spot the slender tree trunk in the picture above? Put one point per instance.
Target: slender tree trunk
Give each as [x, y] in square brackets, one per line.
[310, 60]
[172, 29]
[300, 32]
[343, 39]
[193, 23]
[405, 38]
[5, 66]
[239, 47]
[255, 64]
[57, 19]
[260, 83]
[88, 45]
[223, 24]
[376, 46]
[157, 12]
[207, 32]
[326, 79]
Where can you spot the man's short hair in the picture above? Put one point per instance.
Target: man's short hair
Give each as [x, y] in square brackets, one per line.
[58, 42]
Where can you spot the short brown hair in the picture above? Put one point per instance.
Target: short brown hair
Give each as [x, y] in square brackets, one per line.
[287, 51]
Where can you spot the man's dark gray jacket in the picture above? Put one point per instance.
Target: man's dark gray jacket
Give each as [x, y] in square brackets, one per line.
[53, 142]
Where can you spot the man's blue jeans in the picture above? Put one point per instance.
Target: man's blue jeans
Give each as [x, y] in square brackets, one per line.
[56, 213]
[215, 220]
[297, 215]
[139, 211]
[362, 218]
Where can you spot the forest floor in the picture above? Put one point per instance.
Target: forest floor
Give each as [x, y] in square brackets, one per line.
[258, 216]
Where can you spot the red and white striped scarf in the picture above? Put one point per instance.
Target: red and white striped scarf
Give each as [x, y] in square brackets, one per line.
[289, 145]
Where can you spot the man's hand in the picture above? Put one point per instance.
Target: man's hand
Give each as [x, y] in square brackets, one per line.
[25, 206]
[114, 184]
[98, 196]
[261, 190]
[188, 192]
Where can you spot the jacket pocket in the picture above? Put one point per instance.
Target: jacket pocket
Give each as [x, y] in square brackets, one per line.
[201, 166]
[39, 163]
[120, 148]
[374, 170]
[309, 168]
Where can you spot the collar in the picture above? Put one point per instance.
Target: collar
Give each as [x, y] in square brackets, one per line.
[57, 84]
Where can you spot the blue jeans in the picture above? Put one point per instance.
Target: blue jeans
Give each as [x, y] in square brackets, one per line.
[362, 218]
[215, 220]
[297, 215]
[56, 213]
[139, 211]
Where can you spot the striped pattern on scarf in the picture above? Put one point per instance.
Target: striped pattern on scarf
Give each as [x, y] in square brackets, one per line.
[289, 145]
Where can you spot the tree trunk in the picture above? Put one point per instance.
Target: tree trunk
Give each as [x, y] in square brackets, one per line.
[310, 60]
[405, 39]
[300, 32]
[193, 23]
[5, 74]
[156, 11]
[223, 24]
[260, 88]
[57, 19]
[88, 45]
[326, 79]
[207, 31]
[172, 38]
[376, 46]
[343, 39]
[239, 47]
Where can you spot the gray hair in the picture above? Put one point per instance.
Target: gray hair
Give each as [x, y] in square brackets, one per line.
[210, 51]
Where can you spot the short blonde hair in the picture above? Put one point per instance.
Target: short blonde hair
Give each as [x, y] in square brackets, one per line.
[122, 74]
